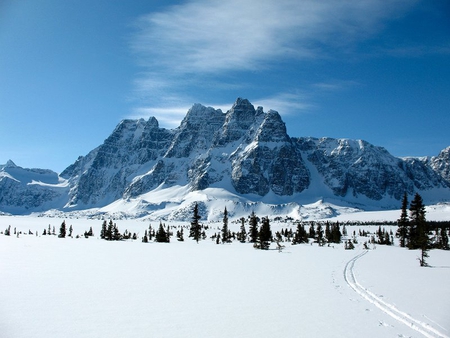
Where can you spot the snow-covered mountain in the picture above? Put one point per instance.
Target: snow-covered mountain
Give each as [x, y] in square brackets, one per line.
[242, 159]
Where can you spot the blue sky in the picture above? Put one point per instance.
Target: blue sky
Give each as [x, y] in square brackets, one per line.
[71, 70]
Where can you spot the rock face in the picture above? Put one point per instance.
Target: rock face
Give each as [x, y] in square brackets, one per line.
[245, 151]
[23, 190]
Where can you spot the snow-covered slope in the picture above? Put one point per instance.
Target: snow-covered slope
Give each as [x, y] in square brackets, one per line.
[243, 159]
[23, 190]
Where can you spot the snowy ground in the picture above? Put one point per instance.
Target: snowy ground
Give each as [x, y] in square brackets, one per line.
[53, 287]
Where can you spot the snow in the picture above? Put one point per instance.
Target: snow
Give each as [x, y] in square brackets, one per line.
[54, 287]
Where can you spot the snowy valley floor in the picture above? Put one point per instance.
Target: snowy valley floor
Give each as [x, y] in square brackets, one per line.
[52, 287]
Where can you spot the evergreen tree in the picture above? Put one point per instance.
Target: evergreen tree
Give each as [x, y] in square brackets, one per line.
[349, 245]
[336, 233]
[300, 235]
[328, 232]
[161, 235]
[319, 235]
[265, 234]
[195, 231]
[71, 230]
[253, 228]
[180, 237]
[243, 233]
[419, 230]
[109, 231]
[62, 230]
[151, 233]
[103, 231]
[225, 231]
[116, 234]
[168, 234]
[312, 232]
[403, 223]
[444, 239]
[145, 238]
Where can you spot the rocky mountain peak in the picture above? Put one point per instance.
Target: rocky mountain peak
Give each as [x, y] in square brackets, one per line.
[244, 151]
[272, 129]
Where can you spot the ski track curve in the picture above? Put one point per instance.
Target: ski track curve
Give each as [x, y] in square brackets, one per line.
[424, 328]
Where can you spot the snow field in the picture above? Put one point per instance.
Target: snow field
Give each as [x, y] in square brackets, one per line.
[53, 287]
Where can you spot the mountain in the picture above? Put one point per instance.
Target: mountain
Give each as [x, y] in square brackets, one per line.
[243, 159]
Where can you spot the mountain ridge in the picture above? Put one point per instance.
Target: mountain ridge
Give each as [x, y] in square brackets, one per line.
[244, 152]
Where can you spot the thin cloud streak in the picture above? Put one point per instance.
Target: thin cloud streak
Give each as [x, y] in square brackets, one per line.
[211, 36]
[191, 46]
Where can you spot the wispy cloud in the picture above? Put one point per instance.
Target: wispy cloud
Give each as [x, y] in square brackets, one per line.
[216, 35]
[287, 103]
[198, 41]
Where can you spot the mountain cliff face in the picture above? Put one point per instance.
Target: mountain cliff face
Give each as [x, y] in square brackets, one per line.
[245, 151]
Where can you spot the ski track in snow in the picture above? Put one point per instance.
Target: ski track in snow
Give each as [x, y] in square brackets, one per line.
[389, 309]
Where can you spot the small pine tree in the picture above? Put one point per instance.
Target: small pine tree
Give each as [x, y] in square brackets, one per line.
[71, 230]
[319, 235]
[403, 223]
[349, 245]
[300, 235]
[253, 228]
[103, 231]
[168, 234]
[109, 231]
[444, 239]
[225, 231]
[116, 234]
[312, 232]
[180, 237]
[336, 233]
[62, 230]
[242, 233]
[195, 231]
[328, 232]
[145, 238]
[161, 235]
[265, 234]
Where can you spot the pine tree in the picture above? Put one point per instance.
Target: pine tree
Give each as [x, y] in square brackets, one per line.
[109, 231]
[225, 231]
[265, 234]
[180, 237]
[116, 234]
[195, 231]
[312, 232]
[444, 239]
[419, 230]
[336, 233]
[328, 232]
[161, 235]
[62, 230]
[103, 231]
[243, 233]
[70, 230]
[319, 235]
[168, 234]
[253, 228]
[145, 238]
[403, 223]
[300, 235]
